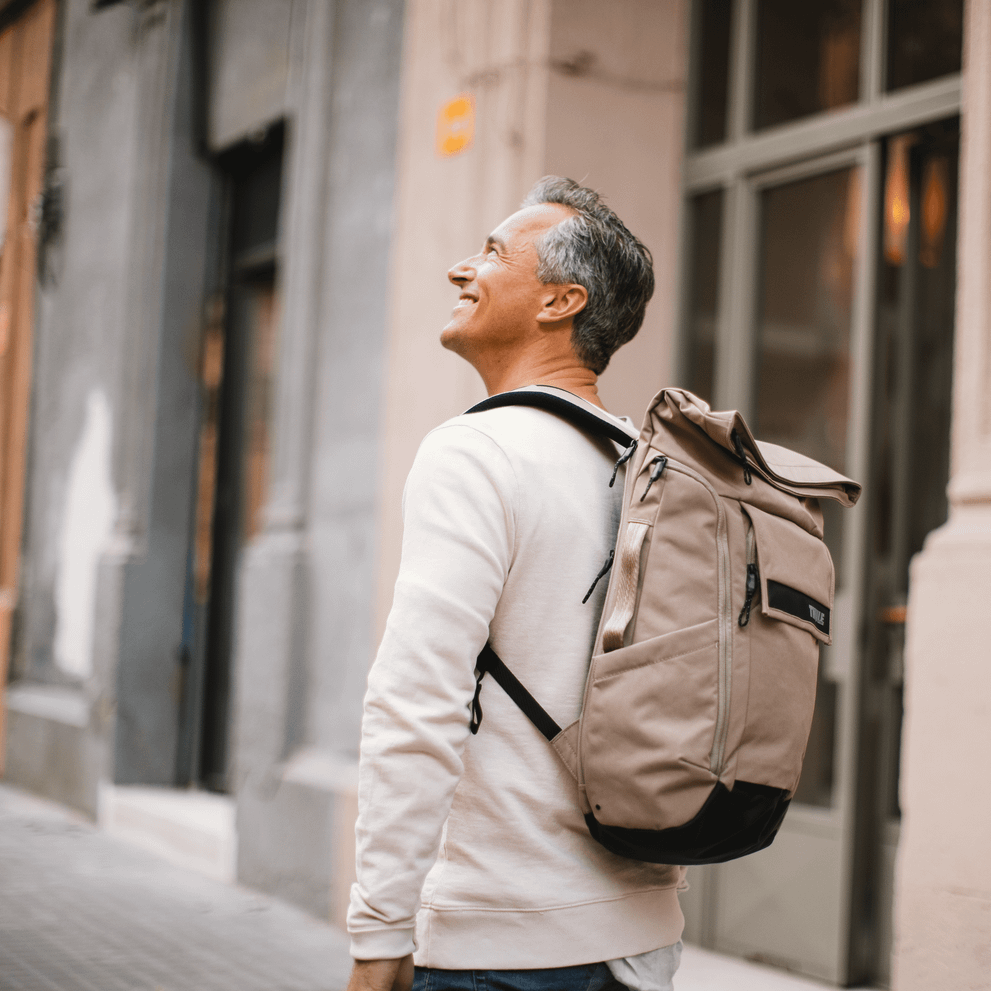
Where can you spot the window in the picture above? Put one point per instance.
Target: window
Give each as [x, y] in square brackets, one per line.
[818, 274]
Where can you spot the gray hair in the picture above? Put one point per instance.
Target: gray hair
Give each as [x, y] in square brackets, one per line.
[593, 248]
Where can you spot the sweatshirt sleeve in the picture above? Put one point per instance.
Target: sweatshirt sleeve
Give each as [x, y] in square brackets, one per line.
[458, 537]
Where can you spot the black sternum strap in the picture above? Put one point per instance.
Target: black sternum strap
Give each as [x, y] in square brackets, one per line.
[489, 660]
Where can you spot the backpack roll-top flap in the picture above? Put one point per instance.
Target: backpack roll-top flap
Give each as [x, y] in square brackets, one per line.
[796, 574]
[799, 475]
[784, 469]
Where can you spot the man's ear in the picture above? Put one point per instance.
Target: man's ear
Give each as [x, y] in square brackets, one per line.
[563, 302]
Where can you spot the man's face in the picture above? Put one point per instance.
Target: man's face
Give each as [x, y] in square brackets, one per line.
[500, 292]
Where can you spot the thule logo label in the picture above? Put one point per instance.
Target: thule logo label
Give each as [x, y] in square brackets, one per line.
[785, 599]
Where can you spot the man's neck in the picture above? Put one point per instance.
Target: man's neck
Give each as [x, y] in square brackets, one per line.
[570, 376]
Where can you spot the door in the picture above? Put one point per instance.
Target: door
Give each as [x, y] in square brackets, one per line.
[816, 130]
[25, 54]
[910, 462]
[237, 369]
[806, 284]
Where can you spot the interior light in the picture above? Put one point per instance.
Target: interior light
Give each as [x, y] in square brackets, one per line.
[933, 212]
[897, 206]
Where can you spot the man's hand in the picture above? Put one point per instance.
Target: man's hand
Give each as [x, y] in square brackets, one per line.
[382, 975]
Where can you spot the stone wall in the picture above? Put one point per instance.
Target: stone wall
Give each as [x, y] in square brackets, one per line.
[943, 880]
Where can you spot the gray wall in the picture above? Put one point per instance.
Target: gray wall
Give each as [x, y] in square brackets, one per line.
[121, 315]
[308, 583]
[253, 45]
[350, 366]
[80, 329]
[117, 330]
[171, 317]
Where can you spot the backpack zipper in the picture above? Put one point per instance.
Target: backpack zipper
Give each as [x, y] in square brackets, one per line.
[595, 581]
[658, 465]
[725, 615]
[748, 602]
[742, 456]
[753, 578]
[623, 458]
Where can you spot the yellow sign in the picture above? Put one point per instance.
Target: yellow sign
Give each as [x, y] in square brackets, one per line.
[456, 125]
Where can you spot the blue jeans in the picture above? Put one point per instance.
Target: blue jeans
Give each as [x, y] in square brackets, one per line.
[590, 977]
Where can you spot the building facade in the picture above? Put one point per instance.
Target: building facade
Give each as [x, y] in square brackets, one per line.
[239, 217]
[220, 182]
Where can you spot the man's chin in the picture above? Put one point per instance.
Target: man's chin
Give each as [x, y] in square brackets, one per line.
[452, 339]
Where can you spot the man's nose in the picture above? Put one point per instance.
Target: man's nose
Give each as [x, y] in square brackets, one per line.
[463, 272]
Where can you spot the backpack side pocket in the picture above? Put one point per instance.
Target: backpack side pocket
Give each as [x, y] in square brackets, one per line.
[786, 622]
[647, 729]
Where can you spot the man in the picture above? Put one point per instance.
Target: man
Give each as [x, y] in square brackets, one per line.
[475, 845]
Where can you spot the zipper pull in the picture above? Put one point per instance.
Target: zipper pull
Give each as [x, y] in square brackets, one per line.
[742, 455]
[751, 592]
[659, 463]
[623, 458]
[602, 571]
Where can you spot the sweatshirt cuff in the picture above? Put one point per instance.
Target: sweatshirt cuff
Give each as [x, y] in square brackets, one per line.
[382, 944]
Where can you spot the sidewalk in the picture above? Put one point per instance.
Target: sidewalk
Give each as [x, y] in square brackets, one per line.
[82, 911]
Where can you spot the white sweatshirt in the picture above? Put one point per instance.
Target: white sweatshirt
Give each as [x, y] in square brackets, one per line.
[477, 842]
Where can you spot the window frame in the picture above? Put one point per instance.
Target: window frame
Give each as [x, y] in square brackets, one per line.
[742, 166]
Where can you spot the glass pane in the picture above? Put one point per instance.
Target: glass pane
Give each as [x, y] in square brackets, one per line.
[915, 342]
[703, 303]
[913, 393]
[713, 72]
[808, 58]
[809, 241]
[809, 238]
[925, 40]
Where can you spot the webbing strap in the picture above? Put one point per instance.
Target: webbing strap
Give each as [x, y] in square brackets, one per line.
[489, 660]
[626, 586]
[574, 413]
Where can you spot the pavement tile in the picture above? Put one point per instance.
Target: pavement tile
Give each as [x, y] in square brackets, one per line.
[81, 911]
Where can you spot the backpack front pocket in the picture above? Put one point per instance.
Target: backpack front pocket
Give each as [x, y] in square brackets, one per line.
[779, 631]
[795, 573]
[647, 729]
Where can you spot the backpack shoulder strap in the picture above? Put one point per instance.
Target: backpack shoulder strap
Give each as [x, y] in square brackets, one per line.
[582, 415]
[489, 660]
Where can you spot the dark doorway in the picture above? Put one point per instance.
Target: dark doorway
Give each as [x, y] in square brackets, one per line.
[236, 374]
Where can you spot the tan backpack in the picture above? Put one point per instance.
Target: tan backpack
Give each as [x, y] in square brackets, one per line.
[701, 688]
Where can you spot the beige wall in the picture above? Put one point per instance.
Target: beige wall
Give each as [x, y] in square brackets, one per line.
[943, 880]
[575, 87]
[614, 122]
